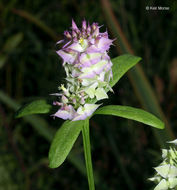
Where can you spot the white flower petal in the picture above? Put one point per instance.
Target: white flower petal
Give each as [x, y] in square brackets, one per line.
[163, 170]
[100, 94]
[90, 108]
[87, 82]
[85, 111]
[91, 90]
[90, 72]
[173, 142]
[172, 182]
[76, 47]
[65, 113]
[172, 171]
[156, 179]
[164, 153]
[163, 185]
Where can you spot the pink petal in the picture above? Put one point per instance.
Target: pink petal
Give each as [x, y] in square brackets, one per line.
[80, 117]
[89, 61]
[94, 49]
[87, 75]
[89, 109]
[65, 113]
[67, 57]
[104, 43]
[60, 41]
[84, 25]
[74, 26]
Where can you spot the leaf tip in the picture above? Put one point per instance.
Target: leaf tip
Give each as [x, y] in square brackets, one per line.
[52, 166]
[162, 125]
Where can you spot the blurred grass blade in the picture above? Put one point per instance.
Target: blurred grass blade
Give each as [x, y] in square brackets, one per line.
[129, 182]
[37, 22]
[4, 98]
[35, 107]
[63, 142]
[12, 42]
[131, 113]
[137, 77]
[3, 59]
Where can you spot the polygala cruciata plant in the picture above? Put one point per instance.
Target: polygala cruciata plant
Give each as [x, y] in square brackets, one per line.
[90, 75]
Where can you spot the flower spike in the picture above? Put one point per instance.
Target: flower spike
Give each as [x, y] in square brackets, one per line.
[88, 71]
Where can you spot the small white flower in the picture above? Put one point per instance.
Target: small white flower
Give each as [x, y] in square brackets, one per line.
[173, 142]
[163, 185]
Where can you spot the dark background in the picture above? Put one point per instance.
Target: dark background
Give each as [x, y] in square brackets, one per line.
[123, 151]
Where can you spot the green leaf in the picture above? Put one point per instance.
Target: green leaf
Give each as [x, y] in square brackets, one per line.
[121, 65]
[12, 42]
[63, 142]
[35, 107]
[132, 113]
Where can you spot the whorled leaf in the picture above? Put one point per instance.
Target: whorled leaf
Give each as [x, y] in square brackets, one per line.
[131, 113]
[63, 142]
[35, 107]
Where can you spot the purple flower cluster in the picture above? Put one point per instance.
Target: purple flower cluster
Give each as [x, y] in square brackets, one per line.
[88, 71]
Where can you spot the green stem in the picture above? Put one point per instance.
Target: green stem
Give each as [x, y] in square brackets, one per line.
[87, 152]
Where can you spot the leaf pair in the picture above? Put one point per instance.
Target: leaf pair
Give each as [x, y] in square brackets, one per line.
[120, 66]
[69, 131]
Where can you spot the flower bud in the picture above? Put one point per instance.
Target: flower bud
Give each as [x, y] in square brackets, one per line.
[67, 34]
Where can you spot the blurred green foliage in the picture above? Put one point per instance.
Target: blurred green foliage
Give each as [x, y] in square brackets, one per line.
[123, 154]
